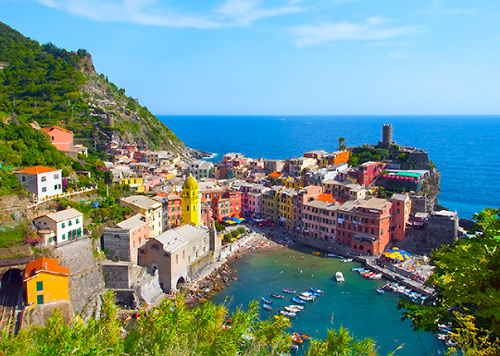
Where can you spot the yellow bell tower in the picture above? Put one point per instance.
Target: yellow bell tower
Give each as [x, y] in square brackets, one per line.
[191, 205]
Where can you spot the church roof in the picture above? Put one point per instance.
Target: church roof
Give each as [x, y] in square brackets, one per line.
[191, 183]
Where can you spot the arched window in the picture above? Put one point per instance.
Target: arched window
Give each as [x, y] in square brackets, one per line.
[187, 207]
[155, 247]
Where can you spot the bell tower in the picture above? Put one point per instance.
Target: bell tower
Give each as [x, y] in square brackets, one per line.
[191, 204]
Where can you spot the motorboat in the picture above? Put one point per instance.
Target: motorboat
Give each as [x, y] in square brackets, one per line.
[299, 307]
[292, 310]
[287, 313]
[267, 306]
[339, 276]
[307, 299]
[302, 336]
[316, 290]
[298, 301]
[287, 290]
[278, 296]
[267, 301]
[380, 290]
[297, 339]
[346, 260]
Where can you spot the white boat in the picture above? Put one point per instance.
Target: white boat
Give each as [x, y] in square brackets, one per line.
[294, 306]
[346, 260]
[307, 299]
[339, 276]
[285, 313]
[292, 310]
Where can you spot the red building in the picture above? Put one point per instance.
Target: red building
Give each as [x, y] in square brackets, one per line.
[368, 171]
[401, 208]
[229, 204]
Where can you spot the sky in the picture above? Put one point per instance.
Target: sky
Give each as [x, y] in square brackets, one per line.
[283, 57]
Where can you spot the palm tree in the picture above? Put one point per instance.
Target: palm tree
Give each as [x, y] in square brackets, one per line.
[341, 142]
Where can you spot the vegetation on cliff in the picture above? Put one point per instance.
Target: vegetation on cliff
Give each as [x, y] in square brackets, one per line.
[57, 87]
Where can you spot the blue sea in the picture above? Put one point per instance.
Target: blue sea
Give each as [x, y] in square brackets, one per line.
[465, 149]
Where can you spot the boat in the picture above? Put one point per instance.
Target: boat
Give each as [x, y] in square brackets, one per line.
[267, 301]
[377, 276]
[442, 337]
[316, 290]
[297, 339]
[294, 347]
[302, 336]
[307, 299]
[278, 296]
[309, 294]
[331, 255]
[286, 290]
[287, 313]
[339, 276]
[316, 253]
[292, 310]
[356, 269]
[267, 306]
[299, 307]
[380, 290]
[298, 301]
[346, 260]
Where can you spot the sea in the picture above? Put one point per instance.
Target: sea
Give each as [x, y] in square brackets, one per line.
[465, 149]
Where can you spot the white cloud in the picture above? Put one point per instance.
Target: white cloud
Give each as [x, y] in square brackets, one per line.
[151, 12]
[371, 30]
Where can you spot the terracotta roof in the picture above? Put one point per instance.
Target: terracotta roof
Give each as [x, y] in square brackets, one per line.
[275, 174]
[44, 265]
[47, 130]
[38, 170]
[326, 198]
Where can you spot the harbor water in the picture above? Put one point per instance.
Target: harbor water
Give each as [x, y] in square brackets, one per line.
[354, 304]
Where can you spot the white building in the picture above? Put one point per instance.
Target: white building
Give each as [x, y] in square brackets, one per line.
[41, 181]
[66, 225]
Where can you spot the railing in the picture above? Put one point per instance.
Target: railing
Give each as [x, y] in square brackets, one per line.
[51, 197]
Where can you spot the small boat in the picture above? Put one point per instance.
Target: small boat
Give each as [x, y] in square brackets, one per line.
[278, 296]
[287, 313]
[331, 255]
[297, 339]
[380, 290]
[308, 294]
[346, 260]
[292, 310]
[316, 253]
[442, 336]
[267, 301]
[356, 269]
[316, 290]
[299, 307]
[294, 347]
[307, 299]
[302, 336]
[339, 276]
[377, 276]
[286, 290]
[298, 301]
[267, 306]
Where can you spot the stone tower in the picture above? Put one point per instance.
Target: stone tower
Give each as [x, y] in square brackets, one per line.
[191, 203]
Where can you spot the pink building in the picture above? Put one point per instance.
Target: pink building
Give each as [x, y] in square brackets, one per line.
[251, 199]
[368, 171]
[401, 207]
[319, 220]
[61, 138]
[232, 160]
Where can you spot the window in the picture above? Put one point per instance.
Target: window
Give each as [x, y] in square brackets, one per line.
[398, 211]
[43, 179]
[63, 236]
[373, 230]
[23, 179]
[63, 225]
[77, 221]
[39, 286]
[70, 223]
[39, 299]
[55, 187]
[44, 189]
[56, 176]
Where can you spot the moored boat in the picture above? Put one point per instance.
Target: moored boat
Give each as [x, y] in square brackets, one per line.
[298, 301]
[297, 339]
[267, 301]
[302, 336]
[339, 276]
[299, 307]
[292, 310]
[346, 260]
[316, 290]
[307, 299]
[287, 290]
[267, 306]
[287, 313]
[380, 290]
[278, 296]
[316, 253]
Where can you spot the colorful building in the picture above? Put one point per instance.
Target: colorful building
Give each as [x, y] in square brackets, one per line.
[135, 183]
[271, 203]
[66, 225]
[46, 282]
[191, 203]
[368, 171]
[41, 181]
[150, 208]
[401, 208]
[61, 138]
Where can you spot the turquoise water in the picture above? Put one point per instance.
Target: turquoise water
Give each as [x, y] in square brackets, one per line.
[464, 148]
[354, 304]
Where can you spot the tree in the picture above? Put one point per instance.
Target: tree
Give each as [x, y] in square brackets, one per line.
[341, 142]
[467, 282]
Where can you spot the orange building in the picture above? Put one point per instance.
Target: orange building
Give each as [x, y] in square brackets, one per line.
[46, 282]
[340, 157]
[61, 138]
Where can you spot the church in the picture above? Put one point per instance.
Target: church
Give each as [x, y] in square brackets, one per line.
[179, 254]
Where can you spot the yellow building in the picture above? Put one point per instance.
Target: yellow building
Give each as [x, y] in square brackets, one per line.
[134, 183]
[46, 282]
[270, 203]
[191, 203]
[294, 183]
[286, 206]
[150, 208]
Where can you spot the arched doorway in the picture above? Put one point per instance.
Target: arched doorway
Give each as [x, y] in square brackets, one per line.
[180, 282]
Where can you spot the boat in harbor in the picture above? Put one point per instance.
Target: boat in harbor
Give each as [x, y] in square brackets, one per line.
[307, 299]
[297, 339]
[291, 291]
[380, 290]
[299, 307]
[302, 336]
[267, 306]
[316, 290]
[292, 310]
[339, 276]
[267, 301]
[278, 296]
[287, 313]
[298, 301]
[346, 260]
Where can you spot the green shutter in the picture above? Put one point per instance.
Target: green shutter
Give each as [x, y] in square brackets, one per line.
[39, 299]
[39, 286]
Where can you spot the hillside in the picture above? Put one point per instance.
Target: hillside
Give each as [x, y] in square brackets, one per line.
[54, 86]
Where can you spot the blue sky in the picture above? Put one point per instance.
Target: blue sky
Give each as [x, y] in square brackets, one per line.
[283, 57]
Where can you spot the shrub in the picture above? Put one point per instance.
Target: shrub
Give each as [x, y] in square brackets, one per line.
[234, 233]
[242, 230]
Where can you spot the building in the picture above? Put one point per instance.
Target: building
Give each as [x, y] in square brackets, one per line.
[61, 138]
[175, 253]
[273, 165]
[41, 181]
[123, 240]
[201, 169]
[319, 220]
[317, 154]
[275, 177]
[135, 183]
[191, 203]
[271, 203]
[46, 282]
[401, 208]
[65, 225]
[150, 208]
[334, 158]
[368, 171]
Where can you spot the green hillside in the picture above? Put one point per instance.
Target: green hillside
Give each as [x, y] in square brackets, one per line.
[54, 86]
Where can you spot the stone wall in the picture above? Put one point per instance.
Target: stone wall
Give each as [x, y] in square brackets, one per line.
[119, 247]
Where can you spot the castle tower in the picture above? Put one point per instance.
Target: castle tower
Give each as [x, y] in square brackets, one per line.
[387, 135]
[191, 204]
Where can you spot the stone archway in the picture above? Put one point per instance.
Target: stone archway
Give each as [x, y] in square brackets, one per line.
[181, 281]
